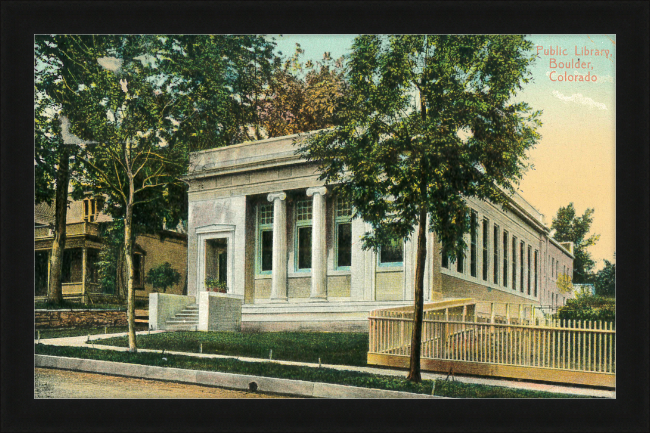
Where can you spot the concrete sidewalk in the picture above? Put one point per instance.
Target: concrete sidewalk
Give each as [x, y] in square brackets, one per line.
[81, 341]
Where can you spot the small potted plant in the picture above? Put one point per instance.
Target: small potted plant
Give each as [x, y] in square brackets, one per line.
[214, 285]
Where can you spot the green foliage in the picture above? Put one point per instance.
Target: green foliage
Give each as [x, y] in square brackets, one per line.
[141, 103]
[213, 283]
[588, 308]
[571, 228]
[109, 261]
[47, 144]
[428, 121]
[564, 283]
[332, 347]
[326, 375]
[299, 102]
[605, 280]
[162, 277]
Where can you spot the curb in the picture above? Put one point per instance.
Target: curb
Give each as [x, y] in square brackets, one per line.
[225, 380]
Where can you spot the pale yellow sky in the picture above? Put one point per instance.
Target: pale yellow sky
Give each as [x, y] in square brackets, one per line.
[575, 161]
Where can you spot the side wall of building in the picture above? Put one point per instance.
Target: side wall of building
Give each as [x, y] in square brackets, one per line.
[557, 264]
[491, 274]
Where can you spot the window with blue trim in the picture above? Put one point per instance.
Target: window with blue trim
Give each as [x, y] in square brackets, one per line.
[303, 218]
[343, 230]
[265, 239]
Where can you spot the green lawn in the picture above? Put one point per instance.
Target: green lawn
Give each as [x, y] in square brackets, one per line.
[331, 347]
[313, 374]
[75, 332]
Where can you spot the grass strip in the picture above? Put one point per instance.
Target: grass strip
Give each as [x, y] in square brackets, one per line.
[341, 348]
[76, 332]
[311, 374]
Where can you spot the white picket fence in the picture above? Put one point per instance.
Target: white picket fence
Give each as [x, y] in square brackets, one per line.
[479, 339]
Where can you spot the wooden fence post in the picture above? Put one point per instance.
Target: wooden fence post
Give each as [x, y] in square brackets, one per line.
[446, 333]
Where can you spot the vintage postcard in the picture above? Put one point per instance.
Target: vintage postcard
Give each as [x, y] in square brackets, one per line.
[329, 216]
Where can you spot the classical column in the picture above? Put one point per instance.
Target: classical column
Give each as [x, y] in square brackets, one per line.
[279, 272]
[318, 251]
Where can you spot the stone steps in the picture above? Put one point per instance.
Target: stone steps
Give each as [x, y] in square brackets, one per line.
[185, 320]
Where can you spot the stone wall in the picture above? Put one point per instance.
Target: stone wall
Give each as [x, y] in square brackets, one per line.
[163, 306]
[220, 312]
[79, 318]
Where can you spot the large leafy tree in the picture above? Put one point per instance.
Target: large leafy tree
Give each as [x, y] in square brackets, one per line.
[140, 104]
[302, 96]
[428, 121]
[605, 280]
[570, 227]
[53, 152]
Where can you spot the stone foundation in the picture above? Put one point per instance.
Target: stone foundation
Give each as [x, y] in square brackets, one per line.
[78, 318]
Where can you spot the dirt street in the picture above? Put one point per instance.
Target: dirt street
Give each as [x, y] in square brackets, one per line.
[51, 383]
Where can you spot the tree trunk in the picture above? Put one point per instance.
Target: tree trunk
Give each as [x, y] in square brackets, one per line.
[416, 340]
[128, 255]
[54, 291]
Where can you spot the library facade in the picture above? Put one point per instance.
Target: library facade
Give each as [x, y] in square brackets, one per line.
[263, 224]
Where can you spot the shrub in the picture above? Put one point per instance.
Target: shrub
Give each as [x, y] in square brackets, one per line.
[588, 308]
[162, 277]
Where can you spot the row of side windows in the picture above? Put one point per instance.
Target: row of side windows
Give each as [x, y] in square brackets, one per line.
[498, 244]
[390, 254]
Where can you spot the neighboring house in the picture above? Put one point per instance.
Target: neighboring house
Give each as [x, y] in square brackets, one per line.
[83, 243]
[261, 221]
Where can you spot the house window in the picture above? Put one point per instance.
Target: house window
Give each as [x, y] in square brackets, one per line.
[473, 240]
[528, 275]
[391, 253]
[521, 266]
[505, 258]
[265, 239]
[536, 260]
[138, 265]
[445, 260]
[303, 212]
[485, 248]
[460, 261]
[557, 268]
[496, 254]
[90, 208]
[343, 230]
[514, 263]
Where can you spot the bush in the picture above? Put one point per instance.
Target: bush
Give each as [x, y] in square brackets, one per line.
[162, 277]
[588, 308]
